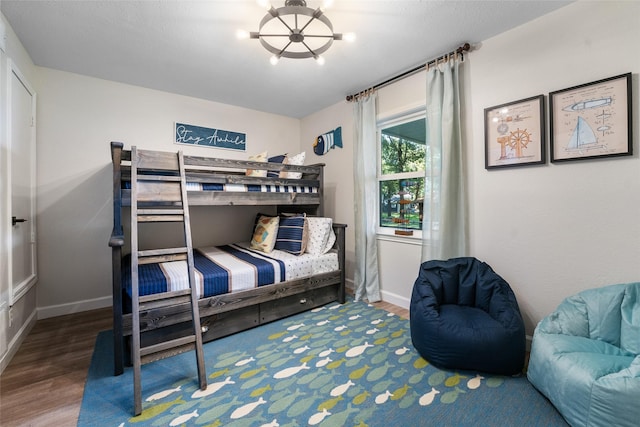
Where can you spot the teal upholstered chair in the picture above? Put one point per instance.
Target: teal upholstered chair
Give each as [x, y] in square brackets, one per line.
[585, 357]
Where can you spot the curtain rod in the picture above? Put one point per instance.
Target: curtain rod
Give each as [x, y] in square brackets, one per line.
[464, 48]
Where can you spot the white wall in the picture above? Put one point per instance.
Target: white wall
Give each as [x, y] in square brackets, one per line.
[553, 230]
[338, 181]
[79, 117]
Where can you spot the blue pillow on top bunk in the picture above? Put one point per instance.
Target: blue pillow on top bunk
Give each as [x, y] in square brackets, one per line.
[292, 234]
[276, 159]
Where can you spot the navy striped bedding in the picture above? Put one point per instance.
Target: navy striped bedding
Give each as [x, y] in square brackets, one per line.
[219, 270]
[195, 186]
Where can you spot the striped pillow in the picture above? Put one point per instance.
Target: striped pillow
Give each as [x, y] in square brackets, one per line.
[292, 234]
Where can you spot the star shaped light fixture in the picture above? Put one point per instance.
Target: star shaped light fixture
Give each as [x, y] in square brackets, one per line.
[296, 31]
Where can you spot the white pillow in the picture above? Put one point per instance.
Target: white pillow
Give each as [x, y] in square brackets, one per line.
[297, 160]
[330, 241]
[321, 236]
[262, 157]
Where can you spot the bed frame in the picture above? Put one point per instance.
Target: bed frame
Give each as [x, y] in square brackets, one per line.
[226, 314]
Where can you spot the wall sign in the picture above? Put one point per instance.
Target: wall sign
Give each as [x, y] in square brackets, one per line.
[209, 137]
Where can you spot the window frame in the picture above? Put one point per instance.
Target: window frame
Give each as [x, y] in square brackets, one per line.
[394, 120]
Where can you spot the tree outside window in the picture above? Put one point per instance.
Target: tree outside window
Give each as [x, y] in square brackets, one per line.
[401, 174]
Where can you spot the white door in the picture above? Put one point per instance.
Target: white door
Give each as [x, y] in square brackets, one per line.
[23, 184]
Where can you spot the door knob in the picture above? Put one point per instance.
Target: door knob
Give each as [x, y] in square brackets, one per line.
[15, 220]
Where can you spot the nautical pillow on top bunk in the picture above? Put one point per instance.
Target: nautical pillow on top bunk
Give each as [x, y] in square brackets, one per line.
[264, 233]
[262, 157]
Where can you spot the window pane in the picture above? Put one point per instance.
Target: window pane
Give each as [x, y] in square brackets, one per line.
[401, 203]
[403, 147]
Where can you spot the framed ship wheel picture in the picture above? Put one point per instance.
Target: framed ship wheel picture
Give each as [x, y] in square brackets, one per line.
[514, 134]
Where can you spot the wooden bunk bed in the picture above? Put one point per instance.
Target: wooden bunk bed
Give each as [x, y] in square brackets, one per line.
[225, 314]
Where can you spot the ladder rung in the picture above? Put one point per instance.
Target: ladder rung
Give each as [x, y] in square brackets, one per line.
[175, 302]
[167, 353]
[166, 251]
[165, 295]
[160, 218]
[153, 256]
[161, 258]
[144, 351]
[160, 211]
[167, 178]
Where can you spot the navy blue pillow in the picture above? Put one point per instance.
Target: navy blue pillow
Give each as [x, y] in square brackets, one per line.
[292, 234]
[275, 159]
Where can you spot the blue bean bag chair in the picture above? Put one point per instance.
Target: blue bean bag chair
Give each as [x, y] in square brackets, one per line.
[585, 357]
[463, 315]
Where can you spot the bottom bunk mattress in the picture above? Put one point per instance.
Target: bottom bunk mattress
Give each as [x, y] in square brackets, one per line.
[228, 268]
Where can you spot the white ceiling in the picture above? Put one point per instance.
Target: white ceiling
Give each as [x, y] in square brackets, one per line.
[190, 47]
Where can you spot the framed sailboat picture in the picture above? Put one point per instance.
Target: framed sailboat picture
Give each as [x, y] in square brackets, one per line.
[592, 120]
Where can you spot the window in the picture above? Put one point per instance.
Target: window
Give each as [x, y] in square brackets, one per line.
[402, 153]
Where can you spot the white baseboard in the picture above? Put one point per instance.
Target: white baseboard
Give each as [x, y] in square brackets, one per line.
[17, 340]
[386, 296]
[73, 307]
[396, 299]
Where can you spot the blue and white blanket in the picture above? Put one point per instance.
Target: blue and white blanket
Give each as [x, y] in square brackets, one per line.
[219, 270]
[242, 188]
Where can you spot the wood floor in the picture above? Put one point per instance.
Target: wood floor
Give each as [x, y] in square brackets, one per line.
[44, 382]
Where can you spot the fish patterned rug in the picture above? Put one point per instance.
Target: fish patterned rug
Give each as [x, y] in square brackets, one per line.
[337, 365]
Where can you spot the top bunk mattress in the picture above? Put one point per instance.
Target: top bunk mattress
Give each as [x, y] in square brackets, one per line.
[215, 181]
[243, 188]
[228, 268]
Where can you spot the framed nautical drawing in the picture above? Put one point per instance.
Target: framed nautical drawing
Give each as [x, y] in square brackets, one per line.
[514, 134]
[592, 120]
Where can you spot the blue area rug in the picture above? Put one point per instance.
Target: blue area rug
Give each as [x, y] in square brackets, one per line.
[338, 365]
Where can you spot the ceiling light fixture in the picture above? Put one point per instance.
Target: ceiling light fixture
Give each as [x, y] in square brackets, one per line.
[296, 31]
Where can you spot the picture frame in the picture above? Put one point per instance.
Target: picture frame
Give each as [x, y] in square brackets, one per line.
[591, 120]
[514, 134]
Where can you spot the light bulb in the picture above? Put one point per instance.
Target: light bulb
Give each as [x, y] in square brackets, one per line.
[326, 4]
[319, 60]
[264, 3]
[274, 60]
[349, 37]
[242, 34]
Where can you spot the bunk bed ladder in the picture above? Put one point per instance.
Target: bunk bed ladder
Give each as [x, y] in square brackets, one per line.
[159, 194]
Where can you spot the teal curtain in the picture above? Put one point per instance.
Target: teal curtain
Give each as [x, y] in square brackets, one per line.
[366, 277]
[444, 225]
